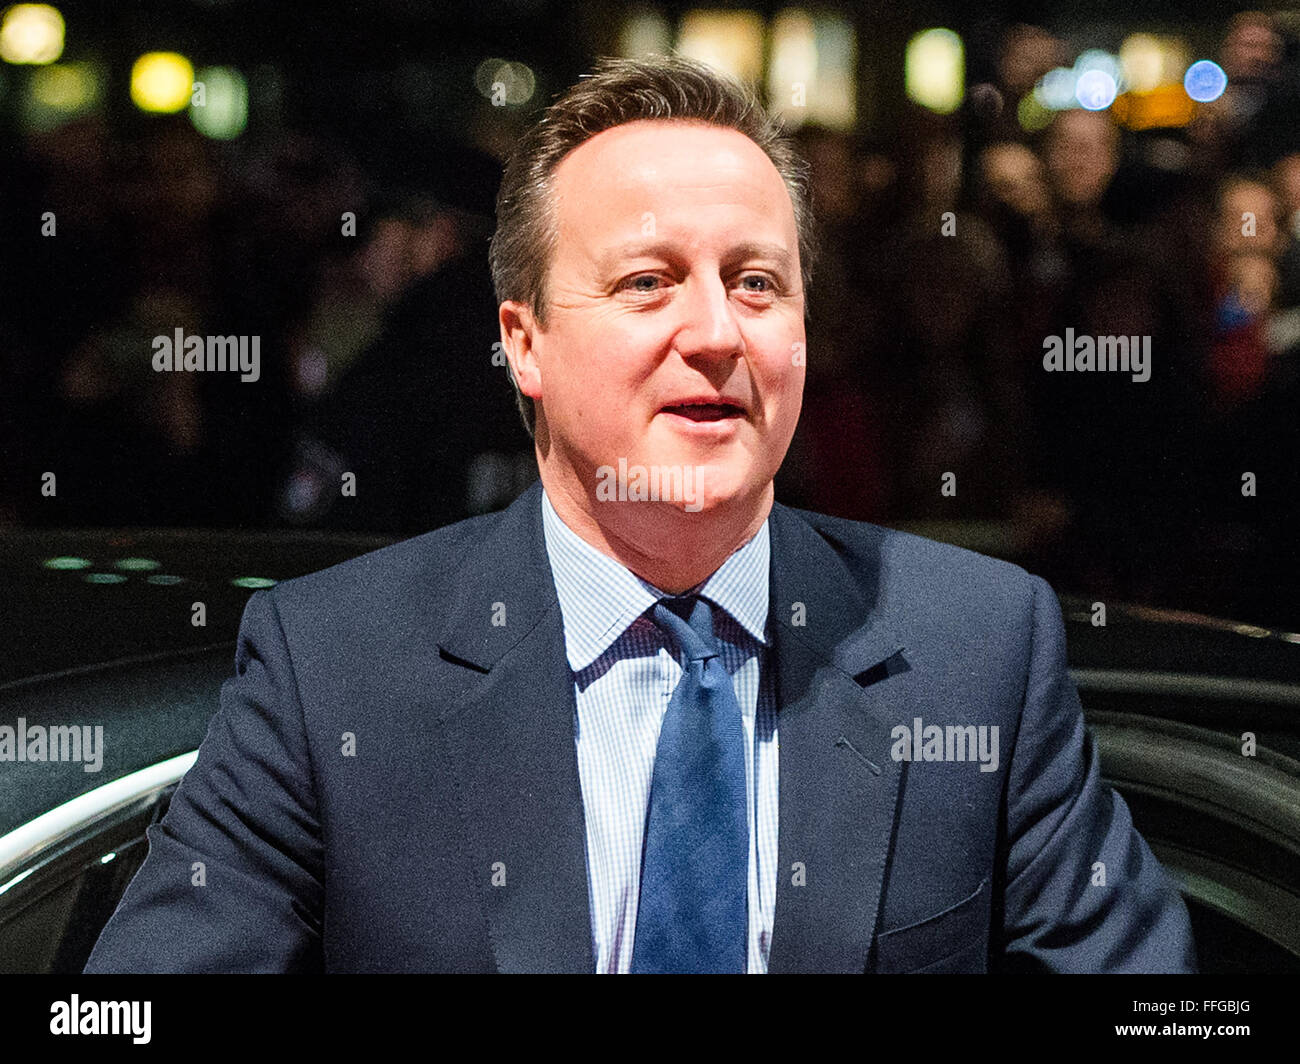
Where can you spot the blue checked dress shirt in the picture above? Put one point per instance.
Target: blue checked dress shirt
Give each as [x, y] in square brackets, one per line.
[625, 670]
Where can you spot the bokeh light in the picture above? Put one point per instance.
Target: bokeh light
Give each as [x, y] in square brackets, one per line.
[161, 82]
[730, 41]
[1099, 59]
[1032, 115]
[104, 578]
[934, 70]
[137, 565]
[59, 92]
[31, 33]
[223, 112]
[253, 583]
[1055, 89]
[66, 562]
[1141, 58]
[645, 30]
[811, 65]
[1095, 90]
[1205, 81]
[505, 82]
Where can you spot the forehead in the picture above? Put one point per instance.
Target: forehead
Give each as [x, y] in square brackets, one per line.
[1249, 192]
[1081, 125]
[1010, 155]
[679, 171]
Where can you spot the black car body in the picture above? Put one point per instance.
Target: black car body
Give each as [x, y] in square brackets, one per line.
[1197, 721]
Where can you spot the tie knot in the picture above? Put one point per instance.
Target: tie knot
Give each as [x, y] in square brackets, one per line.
[689, 619]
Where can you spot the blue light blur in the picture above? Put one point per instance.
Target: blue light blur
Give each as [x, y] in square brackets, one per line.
[1205, 81]
[1095, 90]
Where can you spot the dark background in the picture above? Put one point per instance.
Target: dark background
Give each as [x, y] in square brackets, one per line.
[925, 350]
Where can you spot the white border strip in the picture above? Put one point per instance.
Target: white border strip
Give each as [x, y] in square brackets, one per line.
[24, 842]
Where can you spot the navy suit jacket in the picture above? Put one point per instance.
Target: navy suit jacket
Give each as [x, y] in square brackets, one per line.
[391, 780]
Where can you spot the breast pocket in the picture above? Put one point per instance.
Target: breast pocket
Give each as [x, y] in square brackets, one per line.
[953, 940]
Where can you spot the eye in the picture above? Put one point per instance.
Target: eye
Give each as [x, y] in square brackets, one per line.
[769, 282]
[634, 282]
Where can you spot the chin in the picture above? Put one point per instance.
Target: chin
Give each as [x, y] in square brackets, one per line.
[713, 488]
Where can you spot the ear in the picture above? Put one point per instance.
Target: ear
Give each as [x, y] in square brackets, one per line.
[518, 328]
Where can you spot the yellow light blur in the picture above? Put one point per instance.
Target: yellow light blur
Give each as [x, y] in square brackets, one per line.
[1149, 61]
[934, 71]
[60, 92]
[730, 41]
[162, 82]
[812, 73]
[1141, 59]
[1165, 107]
[644, 30]
[63, 86]
[1032, 115]
[31, 33]
[794, 63]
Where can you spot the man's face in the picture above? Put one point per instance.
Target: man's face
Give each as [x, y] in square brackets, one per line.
[1082, 154]
[1014, 175]
[675, 330]
[1247, 198]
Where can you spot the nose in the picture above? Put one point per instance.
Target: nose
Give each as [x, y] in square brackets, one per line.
[709, 329]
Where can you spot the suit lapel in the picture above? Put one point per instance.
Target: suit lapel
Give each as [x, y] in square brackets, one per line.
[510, 729]
[838, 784]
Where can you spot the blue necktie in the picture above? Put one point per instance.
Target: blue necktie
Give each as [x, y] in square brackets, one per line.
[693, 912]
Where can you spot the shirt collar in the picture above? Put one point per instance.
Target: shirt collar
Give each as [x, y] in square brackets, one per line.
[599, 598]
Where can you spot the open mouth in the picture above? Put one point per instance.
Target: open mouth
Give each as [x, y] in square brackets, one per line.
[705, 411]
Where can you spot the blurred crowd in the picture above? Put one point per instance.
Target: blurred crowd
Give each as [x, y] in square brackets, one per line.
[950, 252]
[363, 272]
[927, 334]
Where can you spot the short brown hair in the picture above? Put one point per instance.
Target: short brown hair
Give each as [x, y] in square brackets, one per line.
[671, 88]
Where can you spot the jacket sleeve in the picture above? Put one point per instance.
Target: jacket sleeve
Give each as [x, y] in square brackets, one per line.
[233, 877]
[1083, 893]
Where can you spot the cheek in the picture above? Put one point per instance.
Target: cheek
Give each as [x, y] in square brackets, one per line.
[613, 357]
[781, 381]
[601, 388]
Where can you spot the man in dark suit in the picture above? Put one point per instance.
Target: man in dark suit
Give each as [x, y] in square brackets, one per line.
[647, 719]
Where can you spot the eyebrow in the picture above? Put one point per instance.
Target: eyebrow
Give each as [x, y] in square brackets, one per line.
[750, 249]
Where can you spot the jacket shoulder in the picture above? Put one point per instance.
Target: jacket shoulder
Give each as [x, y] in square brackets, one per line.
[416, 567]
[913, 573]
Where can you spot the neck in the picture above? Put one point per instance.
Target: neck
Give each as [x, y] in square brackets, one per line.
[663, 545]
